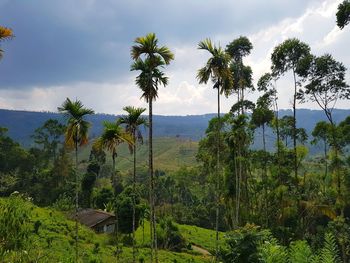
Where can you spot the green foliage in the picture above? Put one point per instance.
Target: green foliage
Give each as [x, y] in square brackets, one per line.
[124, 210]
[217, 67]
[343, 14]
[14, 223]
[325, 83]
[286, 55]
[77, 127]
[300, 251]
[169, 236]
[239, 48]
[329, 253]
[243, 245]
[271, 252]
[48, 136]
[102, 197]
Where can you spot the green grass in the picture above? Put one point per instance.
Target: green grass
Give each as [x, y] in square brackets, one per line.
[204, 238]
[181, 152]
[55, 242]
[201, 237]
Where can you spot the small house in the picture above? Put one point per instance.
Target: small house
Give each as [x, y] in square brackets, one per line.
[98, 220]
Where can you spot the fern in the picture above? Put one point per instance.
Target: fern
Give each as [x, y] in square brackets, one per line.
[329, 252]
[271, 252]
[300, 252]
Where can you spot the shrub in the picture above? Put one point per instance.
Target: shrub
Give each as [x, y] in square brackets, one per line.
[169, 236]
[14, 223]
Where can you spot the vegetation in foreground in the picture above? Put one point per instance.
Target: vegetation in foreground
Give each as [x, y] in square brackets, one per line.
[33, 234]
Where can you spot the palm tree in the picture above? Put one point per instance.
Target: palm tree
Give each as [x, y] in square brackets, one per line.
[133, 121]
[76, 135]
[149, 58]
[217, 69]
[111, 137]
[5, 34]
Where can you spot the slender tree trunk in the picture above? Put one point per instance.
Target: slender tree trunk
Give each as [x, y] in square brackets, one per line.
[116, 210]
[217, 181]
[278, 139]
[237, 189]
[76, 200]
[326, 165]
[295, 131]
[265, 177]
[239, 180]
[134, 201]
[152, 197]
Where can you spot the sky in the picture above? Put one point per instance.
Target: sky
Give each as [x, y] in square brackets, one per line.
[81, 49]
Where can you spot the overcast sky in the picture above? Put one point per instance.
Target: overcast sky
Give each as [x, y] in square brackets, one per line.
[81, 48]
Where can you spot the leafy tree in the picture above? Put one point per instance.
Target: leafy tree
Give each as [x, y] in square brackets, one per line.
[49, 136]
[102, 197]
[326, 85]
[343, 14]
[124, 205]
[169, 236]
[325, 82]
[262, 115]
[87, 184]
[322, 132]
[242, 75]
[285, 57]
[216, 69]
[151, 76]
[76, 135]
[132, 122]
[239, 137]
[5, 34]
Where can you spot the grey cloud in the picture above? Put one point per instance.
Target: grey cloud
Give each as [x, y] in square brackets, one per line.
[65, 42]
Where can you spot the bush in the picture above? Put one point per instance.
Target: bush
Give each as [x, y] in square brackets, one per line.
[243, 245]
[169, 236]
[14, 223]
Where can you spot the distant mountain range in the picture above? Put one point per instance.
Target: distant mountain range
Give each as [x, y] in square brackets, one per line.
[21, 124]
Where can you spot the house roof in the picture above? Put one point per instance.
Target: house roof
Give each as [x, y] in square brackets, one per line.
[91, 217]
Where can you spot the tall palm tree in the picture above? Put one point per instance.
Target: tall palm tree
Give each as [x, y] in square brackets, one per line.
[113, 135]
[132, 123]
[5, 34]
[76, 135]
[149, 58]
[217, 69]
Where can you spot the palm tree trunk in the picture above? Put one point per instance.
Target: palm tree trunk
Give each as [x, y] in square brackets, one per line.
[76, 200]
[116, 210]
[133, 201]
[152, 201]
[217, 181]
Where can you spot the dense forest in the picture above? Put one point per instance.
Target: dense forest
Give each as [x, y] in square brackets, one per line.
[232, 203]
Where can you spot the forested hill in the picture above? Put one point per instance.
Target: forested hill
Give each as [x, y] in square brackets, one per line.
[21, 124]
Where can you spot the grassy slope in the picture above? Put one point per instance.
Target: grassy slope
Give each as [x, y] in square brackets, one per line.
[204, 238]
[55, 242]
[181, 151]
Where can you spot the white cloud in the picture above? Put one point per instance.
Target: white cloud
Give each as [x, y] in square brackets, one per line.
[315, 26]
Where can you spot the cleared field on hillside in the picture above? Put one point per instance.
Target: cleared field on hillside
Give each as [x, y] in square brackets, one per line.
[170, 153]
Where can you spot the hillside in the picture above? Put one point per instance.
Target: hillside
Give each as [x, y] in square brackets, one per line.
[52, 240]
[180, 151]
[21, 124]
